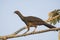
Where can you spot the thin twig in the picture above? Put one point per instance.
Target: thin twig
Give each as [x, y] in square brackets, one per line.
[19, 30]
[50, 19]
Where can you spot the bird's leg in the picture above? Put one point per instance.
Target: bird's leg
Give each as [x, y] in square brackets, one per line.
[35, 29]
[27, 30]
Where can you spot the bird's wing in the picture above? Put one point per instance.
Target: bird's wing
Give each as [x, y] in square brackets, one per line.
[33, 19]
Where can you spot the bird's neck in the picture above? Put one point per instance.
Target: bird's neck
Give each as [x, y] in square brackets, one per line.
[20, 15]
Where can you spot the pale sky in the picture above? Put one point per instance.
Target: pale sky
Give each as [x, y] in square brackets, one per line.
[10, 22]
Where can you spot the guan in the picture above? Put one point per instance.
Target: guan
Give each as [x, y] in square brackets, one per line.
[32, 21]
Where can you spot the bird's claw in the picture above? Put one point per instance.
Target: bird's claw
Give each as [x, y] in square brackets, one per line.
[33, 31]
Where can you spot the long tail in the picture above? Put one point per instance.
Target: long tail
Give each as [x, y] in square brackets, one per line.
[49, 25]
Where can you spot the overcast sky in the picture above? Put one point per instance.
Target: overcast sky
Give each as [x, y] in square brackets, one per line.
[10, 22]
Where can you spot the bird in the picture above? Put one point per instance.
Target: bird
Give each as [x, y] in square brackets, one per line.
[32, 21]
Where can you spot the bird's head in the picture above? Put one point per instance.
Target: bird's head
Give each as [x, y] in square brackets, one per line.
[16, 12]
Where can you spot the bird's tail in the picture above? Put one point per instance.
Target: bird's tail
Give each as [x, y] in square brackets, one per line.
[49, 25]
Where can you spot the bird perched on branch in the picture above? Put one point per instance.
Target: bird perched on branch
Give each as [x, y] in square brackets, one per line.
[32, 21]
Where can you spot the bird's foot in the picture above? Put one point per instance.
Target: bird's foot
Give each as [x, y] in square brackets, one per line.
[33, 31]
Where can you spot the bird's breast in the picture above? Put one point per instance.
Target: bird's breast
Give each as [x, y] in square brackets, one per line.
[31, 24]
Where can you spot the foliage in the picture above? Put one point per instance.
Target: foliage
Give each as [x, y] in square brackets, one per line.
[53, 14]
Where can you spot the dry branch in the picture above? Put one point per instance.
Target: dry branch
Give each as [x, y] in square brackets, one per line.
[21, 35]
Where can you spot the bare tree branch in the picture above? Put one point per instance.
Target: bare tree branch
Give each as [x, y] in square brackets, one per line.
[31, 33]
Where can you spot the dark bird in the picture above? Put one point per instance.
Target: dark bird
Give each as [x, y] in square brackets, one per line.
[32, 21]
